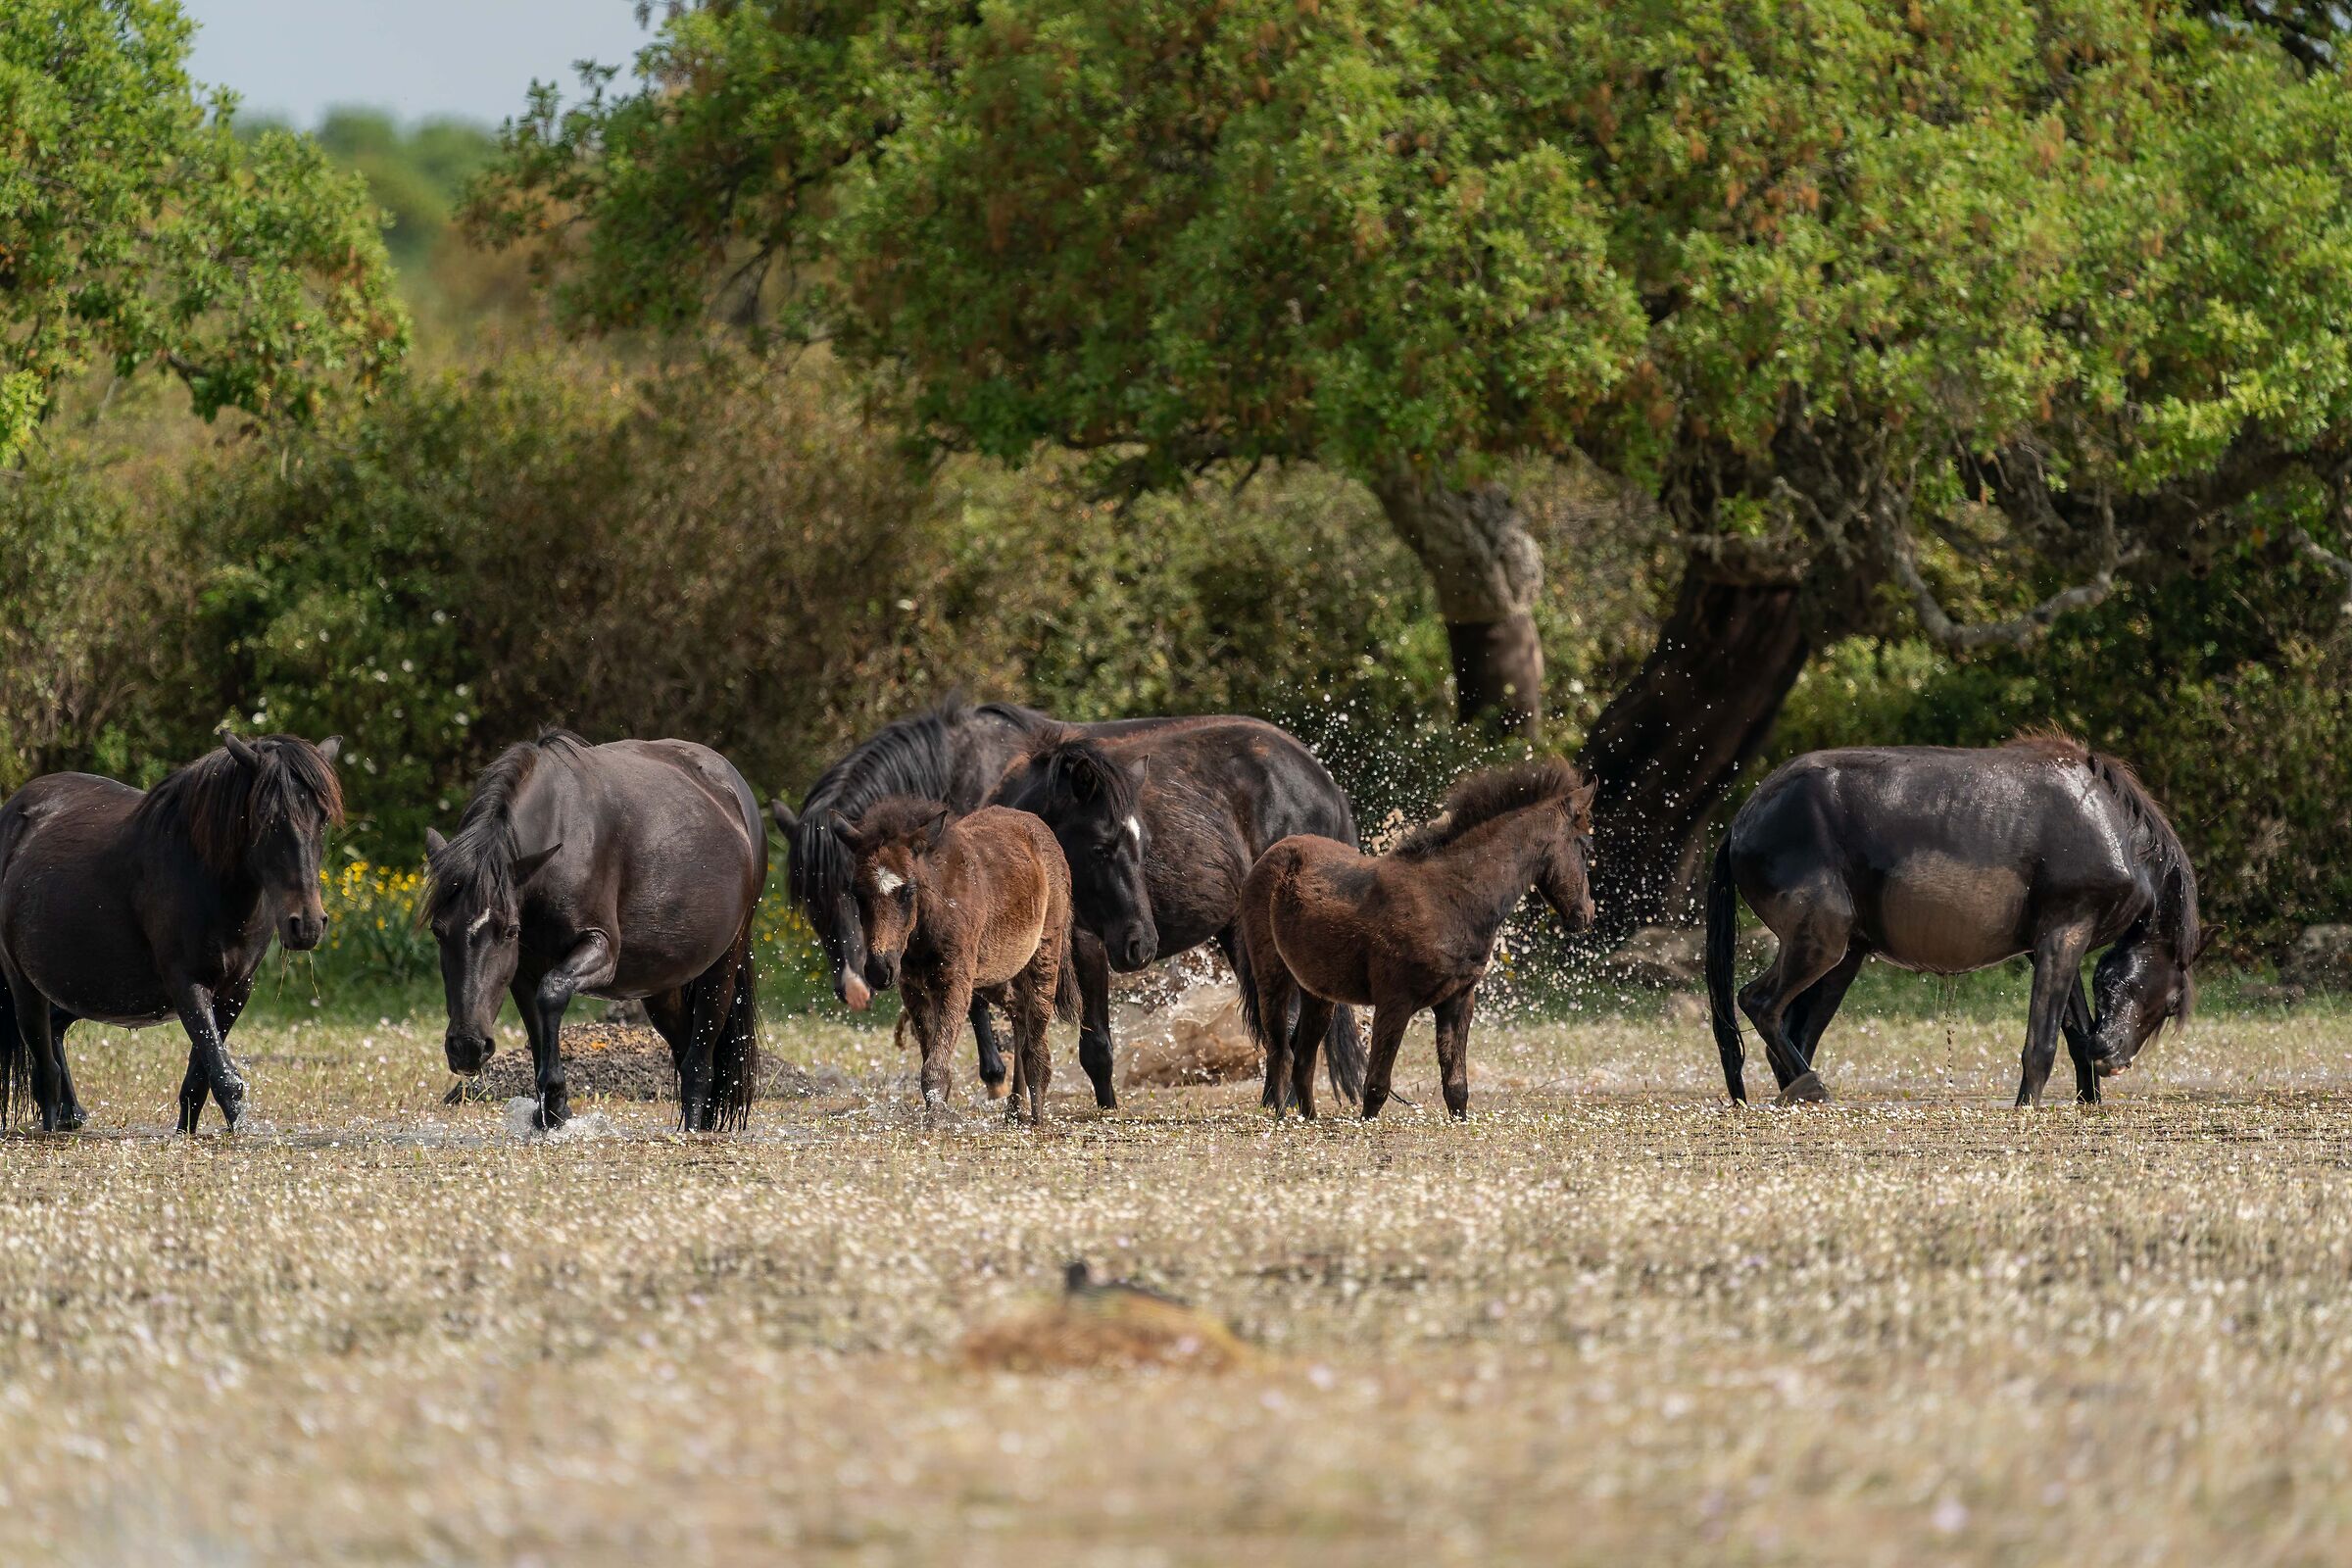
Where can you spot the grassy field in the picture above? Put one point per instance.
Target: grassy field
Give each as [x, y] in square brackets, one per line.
[1609, 1320]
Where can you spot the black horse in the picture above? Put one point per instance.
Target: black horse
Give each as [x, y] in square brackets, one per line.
[129, 908]
[956, 753]
[629, 869]
[1946, 860]
[1160, 826]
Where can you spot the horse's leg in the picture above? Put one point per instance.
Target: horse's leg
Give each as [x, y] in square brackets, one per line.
[1094, 1015]
[1388, 1033]
[1271, 978]
[1307, 1038]
[935, 1025]
[194, 1005]
[1810, 948]
[1810, 1013]
[708, 1001]
[1453, 1052]
[991, 1061]
[589, 964]
[33, 1040]
[2076, 1025]
[2057, 975]
[70, 1116]
[1030, 1007]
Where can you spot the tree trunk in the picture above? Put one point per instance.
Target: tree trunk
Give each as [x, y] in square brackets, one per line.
[1487, 569]
[1666, 750]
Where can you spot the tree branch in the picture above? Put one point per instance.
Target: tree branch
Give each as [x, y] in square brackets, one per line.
[2017, 632]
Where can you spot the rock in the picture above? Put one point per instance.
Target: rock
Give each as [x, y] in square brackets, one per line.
[2320, 959]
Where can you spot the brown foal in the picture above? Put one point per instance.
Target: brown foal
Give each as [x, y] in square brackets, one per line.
[964, 906]
[1324, 924]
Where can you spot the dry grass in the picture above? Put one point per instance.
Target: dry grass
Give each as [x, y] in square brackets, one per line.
[1607, 1321]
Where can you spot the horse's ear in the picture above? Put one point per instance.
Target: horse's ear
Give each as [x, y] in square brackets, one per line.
[434, 844]
[329, 749]
[786, 818]
[241, 749]
[1579, 805]
[838, 826]
[526, 866]
[933, 829]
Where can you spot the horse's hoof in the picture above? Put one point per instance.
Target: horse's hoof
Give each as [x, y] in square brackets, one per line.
[1805, 1088]
[71, 1119]
[997, 1089]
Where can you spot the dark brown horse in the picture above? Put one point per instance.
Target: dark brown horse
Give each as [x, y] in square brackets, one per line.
[1945, 860]
[955, 909]
[129, 908]
[1323, 923]
[629, 869]
[1160, 826]
[956, 753]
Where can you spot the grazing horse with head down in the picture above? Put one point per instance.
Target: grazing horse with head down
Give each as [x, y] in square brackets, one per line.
[1323, 923]
[955, 909]
[130, 907]
[1945, 860]
[623, 870]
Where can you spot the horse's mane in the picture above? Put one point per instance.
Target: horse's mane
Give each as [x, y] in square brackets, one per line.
[1083, 769]
[474, 871]
[1487, 795]
[2175, 917]
[222, 805]
[913, 756]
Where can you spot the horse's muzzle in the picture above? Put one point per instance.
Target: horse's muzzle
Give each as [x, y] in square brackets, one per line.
[1136, 950]
[852, 988]
[467, 1054]
[302, 932]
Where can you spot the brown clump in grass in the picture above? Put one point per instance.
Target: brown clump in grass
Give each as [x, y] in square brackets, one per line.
[1098, 1327]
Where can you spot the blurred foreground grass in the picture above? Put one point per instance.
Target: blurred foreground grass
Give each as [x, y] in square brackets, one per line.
[1607, 1321]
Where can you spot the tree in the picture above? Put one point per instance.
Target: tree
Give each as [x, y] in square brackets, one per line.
[137, 228]
[1934, 318]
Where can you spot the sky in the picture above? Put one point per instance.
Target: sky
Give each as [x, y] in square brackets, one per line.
[470, 59]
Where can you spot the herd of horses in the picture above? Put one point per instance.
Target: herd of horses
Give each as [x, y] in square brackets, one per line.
[992, 858]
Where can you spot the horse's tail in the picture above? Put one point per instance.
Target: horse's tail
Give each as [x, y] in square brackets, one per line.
[1723, 938]
[1247, 981]
[15, 1062]
[1068, 1004]
[735, 1061]
[1343, 1055]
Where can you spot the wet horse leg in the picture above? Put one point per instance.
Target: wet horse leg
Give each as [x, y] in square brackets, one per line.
[1094, 1015]
[1453, 1052]
[194, 1005]
[228, 1003]
[2076, 1025]
[1812, 946]
[2057, 977]
[938, 1009]
[1388, 1033]
[1810, 1013]
[1276, 990]
[589, 964]
[1306, 1037]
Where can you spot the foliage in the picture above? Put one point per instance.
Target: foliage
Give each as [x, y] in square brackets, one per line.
[137, 229]
[1840, 281]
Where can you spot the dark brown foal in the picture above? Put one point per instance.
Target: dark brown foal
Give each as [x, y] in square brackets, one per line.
[956, 907]
[1410, 929]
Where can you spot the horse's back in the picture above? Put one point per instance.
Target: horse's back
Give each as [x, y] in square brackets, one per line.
[1012, 869]
[67, 919]
[1936, 858]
